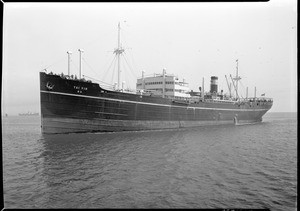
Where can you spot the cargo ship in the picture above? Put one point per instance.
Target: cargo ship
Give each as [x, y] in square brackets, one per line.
[161, 101]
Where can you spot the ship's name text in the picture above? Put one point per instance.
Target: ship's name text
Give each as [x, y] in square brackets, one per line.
[80, 88]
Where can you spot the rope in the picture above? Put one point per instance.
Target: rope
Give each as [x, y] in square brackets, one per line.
[112, 57]
[113, 72]
[108, 68]
[97, 80]
[242, 87]
[127, 79]
[125, 75]
[132, 60]
[75, 67]
[89, 66]
[132, 72]
[58, 61]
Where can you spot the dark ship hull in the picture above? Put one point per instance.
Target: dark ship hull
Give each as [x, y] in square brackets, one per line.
[69, 106]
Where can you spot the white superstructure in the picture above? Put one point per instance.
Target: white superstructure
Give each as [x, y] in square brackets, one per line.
[164, 85]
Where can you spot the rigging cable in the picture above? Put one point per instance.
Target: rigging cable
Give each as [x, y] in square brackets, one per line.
[104, 76]
[89, 66]
[107, 84]
[131, 71]
[131, 55]
[58, 61]
[107, 61]
[73, 65]
[113, 72]
[125, 75]
[242, 86]
[127, 80]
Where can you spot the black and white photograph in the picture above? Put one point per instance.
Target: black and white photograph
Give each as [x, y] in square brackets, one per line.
[150, 105]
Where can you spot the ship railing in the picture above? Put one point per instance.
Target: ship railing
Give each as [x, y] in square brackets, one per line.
[220, 101]
[155, 75]
[130, 91]
[260, 99]
[70, 77]
[107, 87]
[240, 100]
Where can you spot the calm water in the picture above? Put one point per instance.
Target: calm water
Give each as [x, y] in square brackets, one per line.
[249, 166]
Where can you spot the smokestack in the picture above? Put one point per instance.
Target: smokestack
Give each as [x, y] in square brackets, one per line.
[214, 84]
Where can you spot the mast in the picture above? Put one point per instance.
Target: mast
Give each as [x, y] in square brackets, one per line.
[202, 91]
[237, 96]
[143, 77]
[229, 87]
[164, 83]
[80, 62]
[237, 78]
[118, 52]
[69, 61]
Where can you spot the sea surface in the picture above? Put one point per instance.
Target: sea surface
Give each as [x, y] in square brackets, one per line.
[247, 166]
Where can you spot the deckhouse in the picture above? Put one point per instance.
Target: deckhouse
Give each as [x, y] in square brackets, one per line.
[163, 85]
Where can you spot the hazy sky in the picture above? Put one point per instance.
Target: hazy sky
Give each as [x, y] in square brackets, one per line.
[191, 40]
